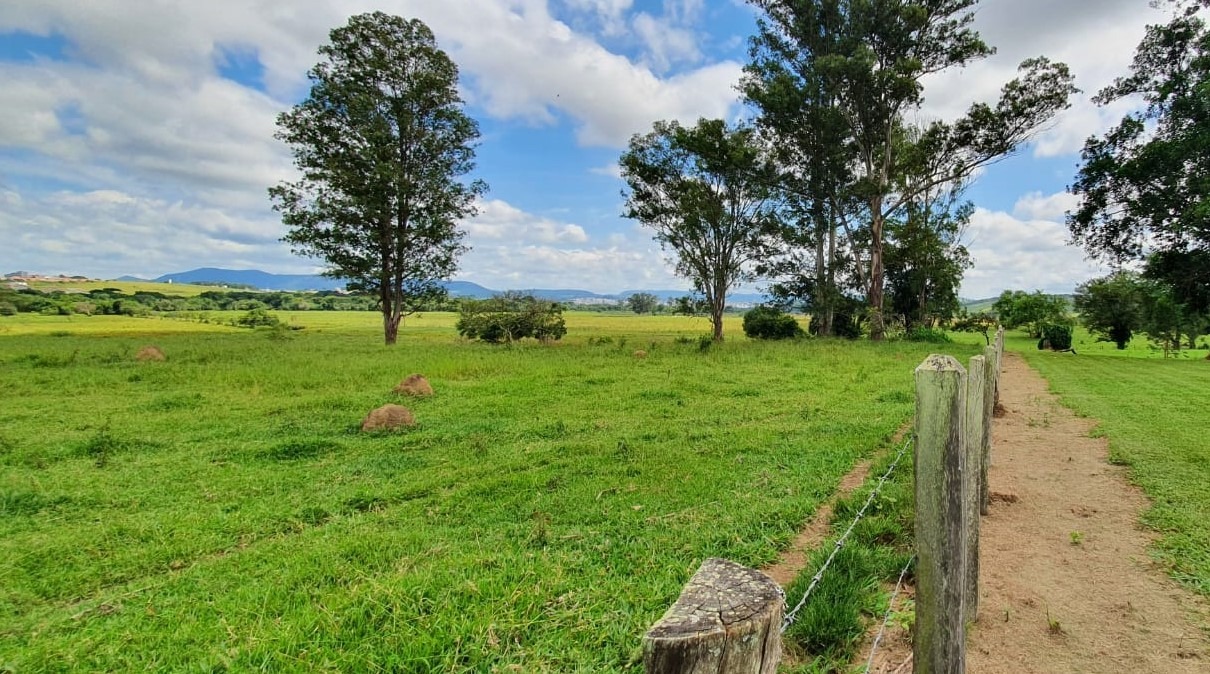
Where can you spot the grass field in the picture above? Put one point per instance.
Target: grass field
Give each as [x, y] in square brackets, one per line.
[221, 510]
[1153, 411]
[128, 287]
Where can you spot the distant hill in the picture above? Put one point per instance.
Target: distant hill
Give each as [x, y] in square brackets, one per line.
[254, 278]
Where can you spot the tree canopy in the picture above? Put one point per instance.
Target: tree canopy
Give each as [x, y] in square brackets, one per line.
[708, 193]
[836, 80]
[381, 143]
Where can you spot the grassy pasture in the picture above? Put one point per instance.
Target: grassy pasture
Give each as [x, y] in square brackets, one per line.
[128, 287]
[221, 511]
[1153, 410]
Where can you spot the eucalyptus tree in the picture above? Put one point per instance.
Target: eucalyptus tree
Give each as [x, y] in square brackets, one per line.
[1143, 187]
[381, 144]
[708, 192]
[866, 59]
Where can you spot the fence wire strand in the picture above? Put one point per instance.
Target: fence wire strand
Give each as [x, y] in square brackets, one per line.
[789, 619]
[886, 618]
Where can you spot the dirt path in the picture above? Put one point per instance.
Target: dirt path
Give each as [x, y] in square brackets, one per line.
[1066, 582]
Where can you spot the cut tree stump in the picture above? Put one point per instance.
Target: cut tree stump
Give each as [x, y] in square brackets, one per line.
[726, 621]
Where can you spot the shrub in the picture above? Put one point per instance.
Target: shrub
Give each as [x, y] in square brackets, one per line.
[765, 322]
[510, 317]
[8, 309]
[257, 318]
[930, 335]
[1055, 336]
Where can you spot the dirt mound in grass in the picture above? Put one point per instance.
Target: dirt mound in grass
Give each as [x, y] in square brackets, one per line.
[415, 385]
[387, 418]
[640, 354]
[150, 354]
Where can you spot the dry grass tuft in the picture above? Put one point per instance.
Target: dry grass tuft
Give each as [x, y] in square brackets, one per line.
[150, 353]
[640, 354]
[388, 418]
[415, 385]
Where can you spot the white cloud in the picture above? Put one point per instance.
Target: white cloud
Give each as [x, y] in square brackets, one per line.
[666, 44]
[1037, 206]
[511, 248]
[1024, 251]
[500, 221]
[1096, 38]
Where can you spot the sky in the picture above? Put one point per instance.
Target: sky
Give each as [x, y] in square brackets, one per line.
[137, 138]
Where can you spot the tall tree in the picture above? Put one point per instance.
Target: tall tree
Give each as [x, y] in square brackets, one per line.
[1144, 186]
[708, 193]
[643, 303]
[1112, 307]
[866, 58]
[381, 143]
[925, 257]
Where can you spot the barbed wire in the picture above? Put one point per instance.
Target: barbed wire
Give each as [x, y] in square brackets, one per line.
[889, 609]
[789, 619]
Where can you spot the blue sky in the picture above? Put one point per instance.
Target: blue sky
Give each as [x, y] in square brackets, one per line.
[138, 139]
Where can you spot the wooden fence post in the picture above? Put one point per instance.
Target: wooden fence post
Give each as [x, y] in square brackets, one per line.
[726, 621]
[938, 643]
[972, 489]
[990, 393]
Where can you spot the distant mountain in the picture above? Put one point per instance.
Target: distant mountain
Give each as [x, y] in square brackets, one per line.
[130, 279]
[254, 278]
[295, 282]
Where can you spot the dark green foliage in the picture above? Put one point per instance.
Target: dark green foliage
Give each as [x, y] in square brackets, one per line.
[925, 259]
[848, 320]
[1142, 185]
[257, 318]
[381, 142]
[1030, 311]
[929, 335]
[1111, 307]
[765, 322]
[836, 82]
[510, 317]
[982, 322]
[643, 303]
[1055, 336]
[708, 193]
[8, 308]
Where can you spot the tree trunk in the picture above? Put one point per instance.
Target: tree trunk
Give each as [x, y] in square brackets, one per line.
[716, 319]
[390, 327]
[877, 325]
[830, 306]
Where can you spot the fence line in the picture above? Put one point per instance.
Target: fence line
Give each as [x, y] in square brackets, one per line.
[886, 618]
[789, 619]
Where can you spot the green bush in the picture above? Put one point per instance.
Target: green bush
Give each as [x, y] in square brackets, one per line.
[257, 318]
[510, 317]
[8, 309]
[1055, 336]
[766, 322]
[929, 335]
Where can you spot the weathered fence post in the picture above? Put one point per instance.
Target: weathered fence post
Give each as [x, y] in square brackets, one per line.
[972, 489]
[990, 392]
[726, 621]
[939, 638]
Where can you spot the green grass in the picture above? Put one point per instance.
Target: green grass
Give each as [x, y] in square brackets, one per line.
[1153, 411]
[221, 511]
[128, 287]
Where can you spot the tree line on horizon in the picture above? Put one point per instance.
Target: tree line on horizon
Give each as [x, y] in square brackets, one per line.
[833, 193]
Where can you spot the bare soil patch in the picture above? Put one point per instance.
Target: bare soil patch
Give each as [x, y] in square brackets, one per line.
[1066, 584]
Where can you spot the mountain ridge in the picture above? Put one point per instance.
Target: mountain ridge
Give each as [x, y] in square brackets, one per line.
[263, 280]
